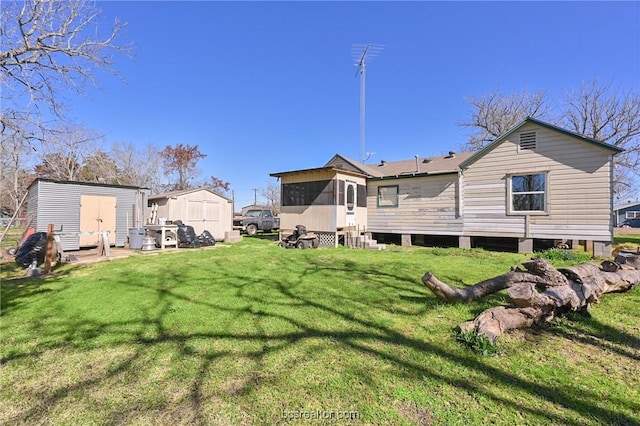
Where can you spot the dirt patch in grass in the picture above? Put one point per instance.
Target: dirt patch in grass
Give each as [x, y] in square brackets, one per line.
[415, 413]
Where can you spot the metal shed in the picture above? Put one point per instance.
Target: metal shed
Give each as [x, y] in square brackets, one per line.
[75, 207]
[201, 208]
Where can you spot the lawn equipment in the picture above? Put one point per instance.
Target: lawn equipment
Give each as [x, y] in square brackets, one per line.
[301, 239]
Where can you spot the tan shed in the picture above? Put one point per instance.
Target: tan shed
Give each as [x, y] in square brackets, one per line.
[201, 208]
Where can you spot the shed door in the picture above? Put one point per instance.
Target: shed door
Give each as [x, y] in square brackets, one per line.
[195, 215]
[350, 203]
[211, 216]
[97, 213]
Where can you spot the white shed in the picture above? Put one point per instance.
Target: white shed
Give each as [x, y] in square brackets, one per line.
[201, 208]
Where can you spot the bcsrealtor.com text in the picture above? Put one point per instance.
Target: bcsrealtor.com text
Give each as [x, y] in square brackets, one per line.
[319, 415]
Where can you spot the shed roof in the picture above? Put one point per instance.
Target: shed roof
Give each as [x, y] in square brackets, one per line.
[72, 182]
[177, 193]
[318, 169]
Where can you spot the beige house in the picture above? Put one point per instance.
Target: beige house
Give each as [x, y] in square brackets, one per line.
[201, 208]
[532, 187]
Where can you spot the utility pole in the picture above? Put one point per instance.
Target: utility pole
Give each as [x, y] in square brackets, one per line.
[255, 196]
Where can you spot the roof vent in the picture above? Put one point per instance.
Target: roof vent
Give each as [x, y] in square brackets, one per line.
[528, 140]
[383, 163]
[452, 154]
[426, 160]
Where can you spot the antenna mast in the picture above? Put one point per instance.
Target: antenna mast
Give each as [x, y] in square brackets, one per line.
[361, 53]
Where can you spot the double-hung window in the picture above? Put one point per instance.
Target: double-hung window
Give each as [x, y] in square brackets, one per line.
[528, 193]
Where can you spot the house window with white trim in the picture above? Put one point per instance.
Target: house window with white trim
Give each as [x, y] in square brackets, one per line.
[632, 215]
[528, 193]
[388, 196]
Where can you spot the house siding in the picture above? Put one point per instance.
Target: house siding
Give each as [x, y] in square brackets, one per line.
[426, 205]
[578, 189]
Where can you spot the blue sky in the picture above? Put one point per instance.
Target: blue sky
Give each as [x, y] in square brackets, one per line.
[266, 87]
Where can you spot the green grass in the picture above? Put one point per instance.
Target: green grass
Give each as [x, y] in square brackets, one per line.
[628, 239]
[254, 334]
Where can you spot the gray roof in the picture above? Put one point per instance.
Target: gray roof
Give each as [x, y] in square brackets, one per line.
[406, 168]
[626, 205]
[177, 193]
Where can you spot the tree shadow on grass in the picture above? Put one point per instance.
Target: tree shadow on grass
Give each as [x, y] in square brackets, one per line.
[271, 300]
[14, 290]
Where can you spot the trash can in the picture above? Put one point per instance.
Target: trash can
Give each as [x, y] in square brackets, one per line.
[136, 235]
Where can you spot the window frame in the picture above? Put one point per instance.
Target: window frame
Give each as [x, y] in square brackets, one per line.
[510, 195]
[632, 214]
[397, 197]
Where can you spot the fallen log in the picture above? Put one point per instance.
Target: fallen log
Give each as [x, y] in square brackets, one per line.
[540, 292]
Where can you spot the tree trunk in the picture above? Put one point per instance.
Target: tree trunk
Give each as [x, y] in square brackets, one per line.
[541, 292]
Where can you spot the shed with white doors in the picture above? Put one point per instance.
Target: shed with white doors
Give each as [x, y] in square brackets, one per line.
[201, 208]
[80, 210]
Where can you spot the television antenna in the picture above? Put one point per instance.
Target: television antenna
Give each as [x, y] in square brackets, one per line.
[361, 53]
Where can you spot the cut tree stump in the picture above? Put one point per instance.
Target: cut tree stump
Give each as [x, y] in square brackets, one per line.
[540, 292]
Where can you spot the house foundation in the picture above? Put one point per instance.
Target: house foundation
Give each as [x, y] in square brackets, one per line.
[525, 245]
[464, 242]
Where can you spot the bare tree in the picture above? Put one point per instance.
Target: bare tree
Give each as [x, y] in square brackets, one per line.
[597, 111]
[606, 114]
[216, 184]
[47, 48]
[15, 176]
[271, 193]
[494, 114]
[63, 159]
[99, 167]
[137, 166]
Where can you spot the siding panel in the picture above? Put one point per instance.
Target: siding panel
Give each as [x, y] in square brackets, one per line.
[578, 188]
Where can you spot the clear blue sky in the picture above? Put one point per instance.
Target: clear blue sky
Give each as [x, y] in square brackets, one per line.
[266, 87]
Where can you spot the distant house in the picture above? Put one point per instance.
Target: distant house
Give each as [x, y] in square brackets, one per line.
[533, 186]
[201, 208]
[622, 212]
[83, 207]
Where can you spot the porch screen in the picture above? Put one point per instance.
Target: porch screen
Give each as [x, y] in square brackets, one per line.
[320, 192]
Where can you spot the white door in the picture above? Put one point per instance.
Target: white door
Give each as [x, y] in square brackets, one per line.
[195, 215]
[97, 213]
[350, 203]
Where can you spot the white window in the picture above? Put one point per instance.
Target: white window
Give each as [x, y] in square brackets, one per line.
[388, 196]
[632, 215]
[528, 193]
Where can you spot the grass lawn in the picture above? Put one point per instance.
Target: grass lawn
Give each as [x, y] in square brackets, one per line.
[252, 334]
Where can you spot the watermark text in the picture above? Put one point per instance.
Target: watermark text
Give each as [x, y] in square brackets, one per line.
[319, 415]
